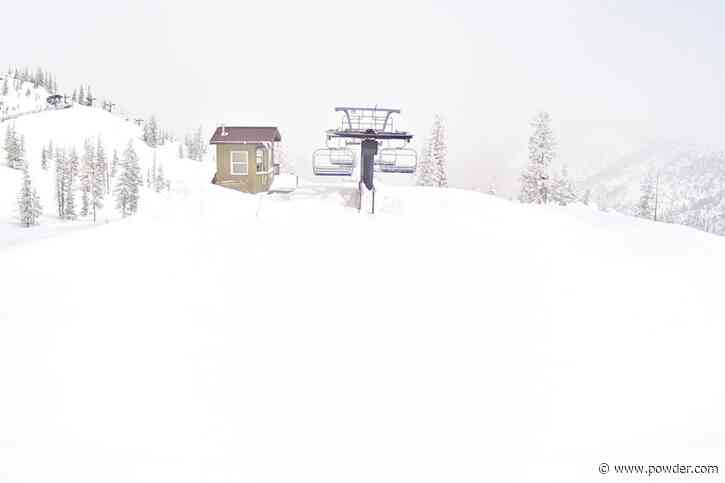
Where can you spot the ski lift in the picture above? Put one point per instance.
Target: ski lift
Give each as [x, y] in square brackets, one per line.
[333, 161]
[371, 128]
[56, 101]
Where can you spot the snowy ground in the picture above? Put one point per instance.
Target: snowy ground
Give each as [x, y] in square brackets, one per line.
[453, 336]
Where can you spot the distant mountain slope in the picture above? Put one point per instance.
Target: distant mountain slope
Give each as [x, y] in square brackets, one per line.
[691, 184]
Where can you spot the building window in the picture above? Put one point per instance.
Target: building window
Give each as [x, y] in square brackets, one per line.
[261, 168]
[239, 162]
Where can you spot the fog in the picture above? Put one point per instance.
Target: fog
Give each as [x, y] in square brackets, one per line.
[611, 76]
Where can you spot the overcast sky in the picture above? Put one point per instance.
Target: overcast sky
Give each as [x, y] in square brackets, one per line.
[619, 70]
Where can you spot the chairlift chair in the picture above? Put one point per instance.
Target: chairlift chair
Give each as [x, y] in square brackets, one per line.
[397, 160]
[333, 162]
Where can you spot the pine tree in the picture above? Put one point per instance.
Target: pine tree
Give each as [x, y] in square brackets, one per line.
[181, 151]
[153, 175]
[160, 180]
[645, 206]
[6, 87]
[199, 146]
[433, 166]
[114, 164]
[86, 176]
[535, 182]
[60, 179]
[103, 165]
[126, 190]
[189, 147]
[75, 96]
[11, 146]
[98, 180]
[44, 159]
[22, 155]
[81, 96]
[72, 168]
[39, 78]
[151, 132]
[562, 189]
[587, 196]
[29, 208]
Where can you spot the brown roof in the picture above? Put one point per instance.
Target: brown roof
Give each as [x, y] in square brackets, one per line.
[237, 134]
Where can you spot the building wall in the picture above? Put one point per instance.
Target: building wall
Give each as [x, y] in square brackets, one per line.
[253, 182]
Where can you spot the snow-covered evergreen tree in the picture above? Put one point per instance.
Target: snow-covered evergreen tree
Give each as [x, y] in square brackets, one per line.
[72, 169]
[22, 154]
[81, 96]
[44, 158]
[535, 180]
[151, 132]
[195, 145]
[645, 206]
[11, 147]
[160, 180]
[181, 151]
[152, 183]
[587, 196]
[433, 167]
[47, 155]
[129, 181]
[562, 188]
[200, 145]
[97, 174]
[114, 164]
[103, 166]
[60, 179]
[29, 208]
[6, 87]
[85, 176]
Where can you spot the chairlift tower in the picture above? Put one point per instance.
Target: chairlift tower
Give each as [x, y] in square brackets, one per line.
[382, 147]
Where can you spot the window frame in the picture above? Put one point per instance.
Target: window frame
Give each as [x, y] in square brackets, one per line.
[245, 162]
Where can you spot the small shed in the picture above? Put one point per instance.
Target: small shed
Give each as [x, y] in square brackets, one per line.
[245, 157]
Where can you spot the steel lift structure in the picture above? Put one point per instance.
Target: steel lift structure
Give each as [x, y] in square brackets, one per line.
[382, 147]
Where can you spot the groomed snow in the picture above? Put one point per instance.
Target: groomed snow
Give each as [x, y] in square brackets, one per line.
[453, 336]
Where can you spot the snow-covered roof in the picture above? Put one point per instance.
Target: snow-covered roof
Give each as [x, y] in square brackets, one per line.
[239, 134]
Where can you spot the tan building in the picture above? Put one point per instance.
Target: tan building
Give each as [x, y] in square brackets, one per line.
[245, 157]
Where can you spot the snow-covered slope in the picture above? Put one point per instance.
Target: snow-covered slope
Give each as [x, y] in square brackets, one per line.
[25, 99]
[453, 336]
[69, 128]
